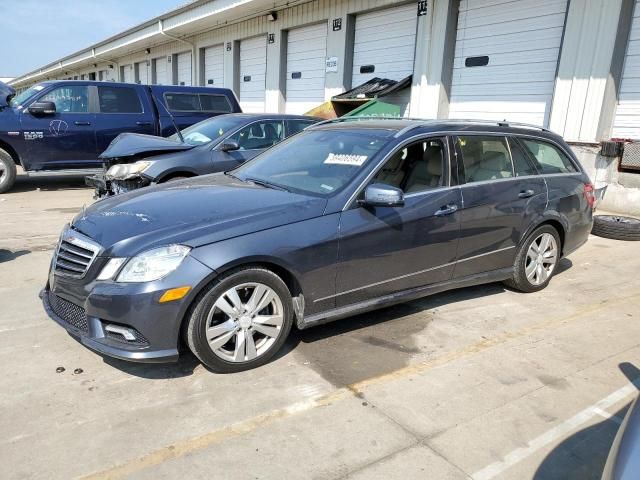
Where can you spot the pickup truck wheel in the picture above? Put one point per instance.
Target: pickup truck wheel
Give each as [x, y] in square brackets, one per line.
[240, 320]
[7, 171]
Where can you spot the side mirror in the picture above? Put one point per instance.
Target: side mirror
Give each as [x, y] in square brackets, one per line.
[42, 108]
[381, 195]
[230, 146]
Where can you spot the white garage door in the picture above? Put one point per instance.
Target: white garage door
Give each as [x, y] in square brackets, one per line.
[128, 74]
[506, 58]
[143, 73]
[253, 69]
[161, 73]
[306, 54]
[627, 120]
[384, 44]
[184, 68]
[214, 66]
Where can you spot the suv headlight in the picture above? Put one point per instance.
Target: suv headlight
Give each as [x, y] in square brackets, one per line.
[152, 264]
[125, 171]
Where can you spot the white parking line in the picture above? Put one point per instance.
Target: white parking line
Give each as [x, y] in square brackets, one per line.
[559, 431]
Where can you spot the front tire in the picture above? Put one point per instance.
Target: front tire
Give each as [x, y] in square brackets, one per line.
[7, 171]
[240, 321]
[536, 261]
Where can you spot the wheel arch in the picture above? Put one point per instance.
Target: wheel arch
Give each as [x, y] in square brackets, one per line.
[285, 273]
[556, 223]
[177, 173]
[11, 151]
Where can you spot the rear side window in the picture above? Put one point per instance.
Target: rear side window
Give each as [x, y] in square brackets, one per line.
[119, 100]
[259, 135]
[197, 102]
[296, 126]
[549, 159]
[182, 101]
[215, 103]
[71, 99]
[485, 158]
[521, 163]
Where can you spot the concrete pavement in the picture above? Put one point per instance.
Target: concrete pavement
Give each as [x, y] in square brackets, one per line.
[479, 383]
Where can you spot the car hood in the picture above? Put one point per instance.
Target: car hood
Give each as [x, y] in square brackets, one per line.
[135, 144]
[193, 212]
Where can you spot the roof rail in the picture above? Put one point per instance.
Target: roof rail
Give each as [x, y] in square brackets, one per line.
[366, 117]
[501, 123]
[425, 121]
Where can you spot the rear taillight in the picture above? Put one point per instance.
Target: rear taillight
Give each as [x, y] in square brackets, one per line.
[590, 195]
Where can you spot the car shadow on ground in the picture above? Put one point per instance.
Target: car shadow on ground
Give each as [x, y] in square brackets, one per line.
[583, 455]
[9, 255]
[383, 340]
[25, 183]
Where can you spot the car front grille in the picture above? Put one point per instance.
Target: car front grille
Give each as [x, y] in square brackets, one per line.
[74, 255]
[69, 312]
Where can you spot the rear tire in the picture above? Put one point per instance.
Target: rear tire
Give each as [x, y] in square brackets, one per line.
[536, 261]
[240, 320]
[616, 227]
[8, 171]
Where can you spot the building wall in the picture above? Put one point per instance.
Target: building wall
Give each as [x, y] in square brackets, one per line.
[595, 38]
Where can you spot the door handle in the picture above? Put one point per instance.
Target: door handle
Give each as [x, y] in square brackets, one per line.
[143, 123]
[526, 193]
[84, 124]
[447, 210]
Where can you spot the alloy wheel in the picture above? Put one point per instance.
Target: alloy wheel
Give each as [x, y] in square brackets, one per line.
[244, 322]
[542, 257]
[3, 173]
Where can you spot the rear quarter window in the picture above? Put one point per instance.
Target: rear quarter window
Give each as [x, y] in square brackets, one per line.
[549, 159]
[197, 102]
[215, 103]
[119, 100]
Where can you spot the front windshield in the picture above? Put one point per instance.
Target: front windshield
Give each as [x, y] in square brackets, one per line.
[22, 97]
[316, 161]
[209, 130]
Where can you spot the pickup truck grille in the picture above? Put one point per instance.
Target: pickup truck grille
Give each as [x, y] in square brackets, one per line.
[74, 255]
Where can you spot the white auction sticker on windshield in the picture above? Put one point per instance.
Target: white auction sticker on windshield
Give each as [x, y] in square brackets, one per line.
[345, 159]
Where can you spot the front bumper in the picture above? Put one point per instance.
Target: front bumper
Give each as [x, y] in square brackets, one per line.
[107, 188]
[85, 310]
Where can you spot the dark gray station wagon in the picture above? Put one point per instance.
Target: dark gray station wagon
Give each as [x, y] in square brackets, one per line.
[340, 219]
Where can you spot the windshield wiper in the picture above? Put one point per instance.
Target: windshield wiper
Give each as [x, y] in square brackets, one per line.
[264, 183]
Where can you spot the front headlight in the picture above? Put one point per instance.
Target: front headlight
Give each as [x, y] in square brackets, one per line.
[153, 264]
[125, 171]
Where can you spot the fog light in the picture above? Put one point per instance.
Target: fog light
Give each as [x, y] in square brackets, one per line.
[174, 294]
[125, 332]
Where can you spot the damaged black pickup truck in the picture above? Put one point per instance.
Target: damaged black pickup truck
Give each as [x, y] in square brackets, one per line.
[217, 144]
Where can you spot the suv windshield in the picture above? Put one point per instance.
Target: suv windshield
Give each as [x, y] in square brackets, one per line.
[26, 95]
[319, 162]
[209, 130]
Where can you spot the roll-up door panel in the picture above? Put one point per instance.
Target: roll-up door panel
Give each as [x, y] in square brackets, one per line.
[627, 119]
[384, 40]
[506, 59]
[253, 69]
[214, 66]
[306, 54]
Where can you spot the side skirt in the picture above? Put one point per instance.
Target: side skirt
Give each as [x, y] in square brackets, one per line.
[401, 297]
